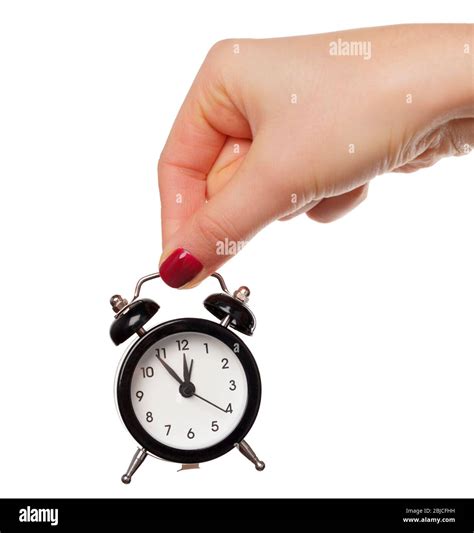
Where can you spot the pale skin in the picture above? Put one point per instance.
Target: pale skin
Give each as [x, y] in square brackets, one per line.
[283, 128]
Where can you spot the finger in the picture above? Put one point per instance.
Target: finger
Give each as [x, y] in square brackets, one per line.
[300, 211]
[222, 226]
[330, 209]
[207, 117]
[228, 161]
[189, 153]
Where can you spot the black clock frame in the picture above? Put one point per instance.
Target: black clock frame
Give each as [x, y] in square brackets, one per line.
[124, 396]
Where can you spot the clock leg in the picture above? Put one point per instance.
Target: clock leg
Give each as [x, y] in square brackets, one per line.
[137, 460]
[247, 451]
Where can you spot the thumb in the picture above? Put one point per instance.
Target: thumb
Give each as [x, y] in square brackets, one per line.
[220, 227]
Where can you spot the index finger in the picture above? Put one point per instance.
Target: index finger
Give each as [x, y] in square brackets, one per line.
[189, 153]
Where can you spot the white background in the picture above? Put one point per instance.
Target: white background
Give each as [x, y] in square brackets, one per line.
[364, 339]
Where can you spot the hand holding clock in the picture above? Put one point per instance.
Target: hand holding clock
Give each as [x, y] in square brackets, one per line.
[308, 141]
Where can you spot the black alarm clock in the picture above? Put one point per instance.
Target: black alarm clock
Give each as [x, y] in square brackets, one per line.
[188, 390]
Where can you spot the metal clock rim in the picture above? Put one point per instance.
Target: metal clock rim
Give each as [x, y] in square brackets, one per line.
[124, 401]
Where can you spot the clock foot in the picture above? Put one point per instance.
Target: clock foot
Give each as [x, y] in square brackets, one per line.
[247, 451]
[137, 460]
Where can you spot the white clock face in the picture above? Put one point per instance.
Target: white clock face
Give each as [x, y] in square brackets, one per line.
[194, 413]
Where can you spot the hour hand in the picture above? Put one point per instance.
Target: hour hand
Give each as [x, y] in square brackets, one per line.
[187, 370]
[170, 371]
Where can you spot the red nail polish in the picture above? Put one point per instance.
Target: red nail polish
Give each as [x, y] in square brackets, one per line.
[179, 268]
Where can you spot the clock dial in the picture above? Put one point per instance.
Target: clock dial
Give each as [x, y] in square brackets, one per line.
[189, 390]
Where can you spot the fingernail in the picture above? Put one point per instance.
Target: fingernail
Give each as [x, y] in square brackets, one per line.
[179, 268]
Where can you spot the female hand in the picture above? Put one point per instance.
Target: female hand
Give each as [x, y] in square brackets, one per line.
[274, 128]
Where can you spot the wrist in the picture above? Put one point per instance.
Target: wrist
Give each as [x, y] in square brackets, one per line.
[437, 71]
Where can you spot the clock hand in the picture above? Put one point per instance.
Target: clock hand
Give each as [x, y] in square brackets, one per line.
[210, 403]
[187, 371]
[187, 380]
[170, 371]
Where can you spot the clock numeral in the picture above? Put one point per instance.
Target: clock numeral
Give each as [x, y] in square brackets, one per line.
[225, 363]
[169, 429]
[149, 416]
[139, 395]
[182, 345]
[147, 372]
[191, 434]
[207, 347]
[161, 351]
[229, 409]
[232, 384]
[215, 426]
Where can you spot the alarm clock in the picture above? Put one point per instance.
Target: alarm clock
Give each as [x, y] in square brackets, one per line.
[188, 390]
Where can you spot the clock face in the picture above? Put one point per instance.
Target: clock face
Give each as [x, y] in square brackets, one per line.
[189, 390]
